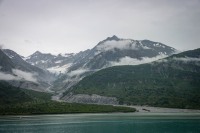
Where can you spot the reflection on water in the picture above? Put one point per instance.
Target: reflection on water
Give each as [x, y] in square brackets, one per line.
[102, 123]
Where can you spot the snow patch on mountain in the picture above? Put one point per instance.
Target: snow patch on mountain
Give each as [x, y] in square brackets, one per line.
[145, 47]
[59, 69]
[66, 54]
[10, 56]
[59, 61]
[44, 61]
[133, 61]
[26, 58]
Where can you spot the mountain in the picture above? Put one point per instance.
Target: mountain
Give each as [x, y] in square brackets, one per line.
[170, 82]
[112, 51]
[18, 72]
[55, 64]
[6, 65]
[40, 60]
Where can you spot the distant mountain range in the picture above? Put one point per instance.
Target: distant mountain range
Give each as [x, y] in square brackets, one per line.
[55, 64]
[111, 52]
[106, 53]
[115, 71]
[70, 68]
[21, 74]
[170, 82]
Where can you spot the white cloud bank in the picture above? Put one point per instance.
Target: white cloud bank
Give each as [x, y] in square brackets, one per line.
[187, 59]
[121, 44]
[133, 61]
[19, 75]
[77, 72]
[4, 76]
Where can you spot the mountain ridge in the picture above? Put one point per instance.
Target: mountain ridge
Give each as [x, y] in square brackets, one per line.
[170, 82]
[70, 68]
[110, 52]
[22, 74]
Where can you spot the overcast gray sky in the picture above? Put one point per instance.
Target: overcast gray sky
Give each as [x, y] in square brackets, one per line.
[65, 26]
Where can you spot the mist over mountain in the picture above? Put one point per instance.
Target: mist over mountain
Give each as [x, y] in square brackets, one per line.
[19, 73]
[115, 71]
[112, 51]
[70, 68]
[54, 63]
[170, 82]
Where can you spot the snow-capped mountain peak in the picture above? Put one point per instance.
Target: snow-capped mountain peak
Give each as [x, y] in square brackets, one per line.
[53, 63]
[111, 52]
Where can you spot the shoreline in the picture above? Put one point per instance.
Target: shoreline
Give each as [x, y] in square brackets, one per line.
[150, 109]
[135, 115]
[145, 110]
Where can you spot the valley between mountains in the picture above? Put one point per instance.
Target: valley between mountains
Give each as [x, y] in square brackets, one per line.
[116, 71]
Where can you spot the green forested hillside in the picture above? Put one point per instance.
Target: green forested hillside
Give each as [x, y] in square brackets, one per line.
[170, 82]
[52, 107]
[15, 101]
[12, 95]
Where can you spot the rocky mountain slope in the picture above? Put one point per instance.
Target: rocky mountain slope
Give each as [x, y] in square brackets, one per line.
[21, 74]
[170, 82]
[55, 64]
[6, 65]
[71, 68]
[112, 51]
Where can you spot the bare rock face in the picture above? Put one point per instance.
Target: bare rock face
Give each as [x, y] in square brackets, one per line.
[90, 99]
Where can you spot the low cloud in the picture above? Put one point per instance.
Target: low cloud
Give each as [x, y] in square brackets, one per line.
[19, 75]
[121, 44]
[4, 76]
[187, 59]
[161, 60]
[25, 75]
[77, 72]
[133, 61]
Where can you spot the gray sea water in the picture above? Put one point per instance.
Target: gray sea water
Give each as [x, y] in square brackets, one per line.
[102, 123]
